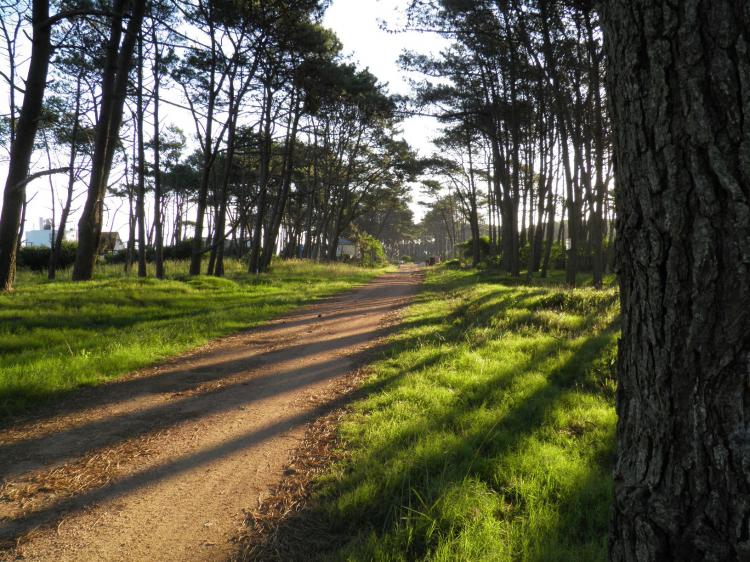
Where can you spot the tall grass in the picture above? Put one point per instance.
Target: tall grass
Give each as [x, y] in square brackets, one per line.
[487, 432]
[57, 336]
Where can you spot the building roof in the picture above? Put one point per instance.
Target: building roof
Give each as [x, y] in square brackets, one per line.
[109, 242]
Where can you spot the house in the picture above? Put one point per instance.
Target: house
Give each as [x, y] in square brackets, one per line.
[40, 238]
[44, 236]
[110, 242]
[346, 248]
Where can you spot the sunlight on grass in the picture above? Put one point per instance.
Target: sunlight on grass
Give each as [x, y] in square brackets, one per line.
[56, 336]
[488, 430]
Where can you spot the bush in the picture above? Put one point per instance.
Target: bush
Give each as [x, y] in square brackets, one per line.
[558, 256]
[371, 251]
[117, 257]
[36, 258]
[467, 247]
[179, 251]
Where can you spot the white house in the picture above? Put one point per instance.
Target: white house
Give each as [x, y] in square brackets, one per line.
[346, 248]
[41, 238]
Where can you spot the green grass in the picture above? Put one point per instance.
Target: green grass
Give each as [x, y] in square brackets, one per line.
[487, 431]
[58, 336]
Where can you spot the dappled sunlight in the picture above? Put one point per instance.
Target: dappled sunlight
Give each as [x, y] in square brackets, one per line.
[55, 337]
[230, 409]
[488, 430]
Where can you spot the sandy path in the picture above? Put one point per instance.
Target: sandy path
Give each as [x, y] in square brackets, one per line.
[159, 465]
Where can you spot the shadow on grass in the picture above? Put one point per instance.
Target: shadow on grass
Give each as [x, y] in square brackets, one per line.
[389, 502]
[78, 335]
[246, 378]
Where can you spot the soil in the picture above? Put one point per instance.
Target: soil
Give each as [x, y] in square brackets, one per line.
[166, 463]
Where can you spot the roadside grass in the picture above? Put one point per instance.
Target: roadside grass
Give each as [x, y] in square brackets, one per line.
[58, 336]
[487, 431]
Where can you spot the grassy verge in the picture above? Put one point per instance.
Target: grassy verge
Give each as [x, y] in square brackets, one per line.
[57, 336]
[488, 430]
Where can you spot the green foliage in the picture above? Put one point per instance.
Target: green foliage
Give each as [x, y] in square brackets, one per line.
[371, 251]
[467, 247]
[181, 251]
[36, 258]
[488, 430]
[558, 256]
[58, 336]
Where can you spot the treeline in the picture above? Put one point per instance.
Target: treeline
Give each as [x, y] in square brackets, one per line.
[526, 139]
[291, 140]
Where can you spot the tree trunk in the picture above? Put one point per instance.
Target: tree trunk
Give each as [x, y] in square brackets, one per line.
[263, 173]
[56, 253]
[22, 147]
[140, 204]
[597, 226]
[114, 87]
[286, 182]
[158, 226]
[196, 254]
[679, 84]
[476, 253]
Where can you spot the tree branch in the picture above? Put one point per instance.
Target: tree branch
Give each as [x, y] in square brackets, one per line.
[37, 175]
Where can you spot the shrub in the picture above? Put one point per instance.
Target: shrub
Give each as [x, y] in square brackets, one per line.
[36, 258]
[117, 257]
[467, 247]
[180, 251]
[371, 251]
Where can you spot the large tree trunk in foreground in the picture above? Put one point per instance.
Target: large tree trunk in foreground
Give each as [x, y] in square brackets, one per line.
[679, 83]
[14, 195]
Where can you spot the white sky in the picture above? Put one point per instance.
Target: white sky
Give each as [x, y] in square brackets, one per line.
[358, 25]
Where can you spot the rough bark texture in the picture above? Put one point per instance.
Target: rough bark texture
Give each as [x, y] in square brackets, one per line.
[14, 195]
[679, 83]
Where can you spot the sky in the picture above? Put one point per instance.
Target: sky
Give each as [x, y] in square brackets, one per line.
[358, 24]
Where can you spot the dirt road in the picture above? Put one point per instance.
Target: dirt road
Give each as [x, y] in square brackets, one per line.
[159, 465]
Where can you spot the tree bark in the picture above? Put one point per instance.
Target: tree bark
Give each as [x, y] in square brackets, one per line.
[158, 226]
[679, 86]
[56, 253]
[269, 244]
[114, 87]
[22, 147]
[140, 204]
[265, 143]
